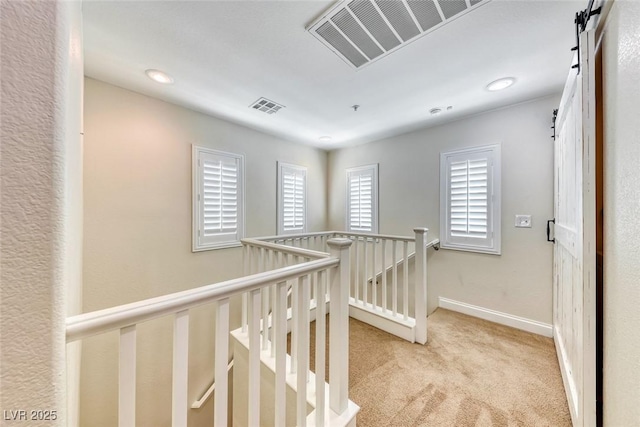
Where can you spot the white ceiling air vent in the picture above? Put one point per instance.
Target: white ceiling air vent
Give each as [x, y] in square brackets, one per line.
[266, 105]
[363, 31]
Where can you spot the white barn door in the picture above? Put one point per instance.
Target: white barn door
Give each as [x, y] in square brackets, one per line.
[574, 311]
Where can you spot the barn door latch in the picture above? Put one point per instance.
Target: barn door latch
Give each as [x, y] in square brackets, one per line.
[549, 239]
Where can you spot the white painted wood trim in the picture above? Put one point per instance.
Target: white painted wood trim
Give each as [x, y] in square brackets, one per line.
[280, 359]
[420, 286]
[220, 401]
[127, 378]
[100, 321]
[506, 319]
[180, 369]
[303, 349]
[321, 333]
[254, 358]
[404, 329]
[339, 321]
[346, 419]
[291, 250]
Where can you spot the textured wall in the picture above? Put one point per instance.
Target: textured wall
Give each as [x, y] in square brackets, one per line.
[137, 237]
[40, 71]
[517, 282]
[621, 71]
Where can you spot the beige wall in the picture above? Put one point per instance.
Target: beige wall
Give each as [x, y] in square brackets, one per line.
[41, 209]
[519, 281]
[621, 71]
[137, 237]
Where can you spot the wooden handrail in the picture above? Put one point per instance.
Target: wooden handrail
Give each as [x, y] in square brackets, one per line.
[100, 321]
[296, 236]
[339, 233]
[292, 250]
[375, 236]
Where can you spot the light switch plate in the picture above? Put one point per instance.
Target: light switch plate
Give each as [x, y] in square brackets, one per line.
[523, 221]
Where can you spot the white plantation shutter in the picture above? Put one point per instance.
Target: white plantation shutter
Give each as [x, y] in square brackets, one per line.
[292, 198]
[218, 197]
[362, 199]
[470, 199]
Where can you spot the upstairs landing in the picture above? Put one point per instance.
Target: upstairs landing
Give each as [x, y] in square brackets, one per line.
[471, 373]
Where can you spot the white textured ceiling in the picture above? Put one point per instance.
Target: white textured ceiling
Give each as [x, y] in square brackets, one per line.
[224, 55]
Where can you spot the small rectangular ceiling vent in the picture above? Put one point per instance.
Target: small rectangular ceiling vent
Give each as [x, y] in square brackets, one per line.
[266, 106]
[363, 31]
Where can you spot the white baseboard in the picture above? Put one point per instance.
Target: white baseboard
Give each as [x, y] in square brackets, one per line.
[405, 329]
[497, 317]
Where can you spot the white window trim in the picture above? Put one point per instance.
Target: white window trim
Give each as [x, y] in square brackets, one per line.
[495, 205]
[196, 185]
[280, 199]
[374, 197]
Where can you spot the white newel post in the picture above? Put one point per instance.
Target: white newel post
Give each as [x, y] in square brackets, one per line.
[420, 301]
[339, 326]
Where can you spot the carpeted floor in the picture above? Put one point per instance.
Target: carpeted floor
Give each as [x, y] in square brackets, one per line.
[470, 373]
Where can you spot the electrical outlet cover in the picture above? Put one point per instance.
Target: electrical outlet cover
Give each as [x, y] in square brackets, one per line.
[523, 221]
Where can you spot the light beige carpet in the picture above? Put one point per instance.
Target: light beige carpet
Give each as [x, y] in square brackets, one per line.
[470, 373]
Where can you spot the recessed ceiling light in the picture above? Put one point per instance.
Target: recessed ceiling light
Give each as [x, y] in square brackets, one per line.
[435, 111]
[159, 77]
[325, 138]
[500, 84]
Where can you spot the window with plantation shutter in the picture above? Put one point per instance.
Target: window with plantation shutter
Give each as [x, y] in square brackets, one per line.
[292, 199]
[362, 199]
[218, 194]
[470, 199]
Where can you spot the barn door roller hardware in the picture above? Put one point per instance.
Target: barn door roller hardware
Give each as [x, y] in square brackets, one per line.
[581, 20]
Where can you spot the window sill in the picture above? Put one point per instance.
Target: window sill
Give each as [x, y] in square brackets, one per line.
[487, 251]
[215, 246]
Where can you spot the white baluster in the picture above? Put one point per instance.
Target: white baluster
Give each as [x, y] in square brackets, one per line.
[384, 275]
[247, 271]
[321, 334]
[264, 296]
[364, 272]
[374, 285]
[280, 344]
[220, 398]
[253, 394]
[394, 278]
[295, 312]
[405, 281]
[268, 319]
[357, 272]
[339, 327]
[420, 297]
[272, 335]
[303, 350]
[127, 378]
[180, 369]
[314, 290]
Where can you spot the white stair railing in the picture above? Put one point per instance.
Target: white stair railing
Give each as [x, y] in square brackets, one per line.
[302, 300]
[333, 267]
[382, 291]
